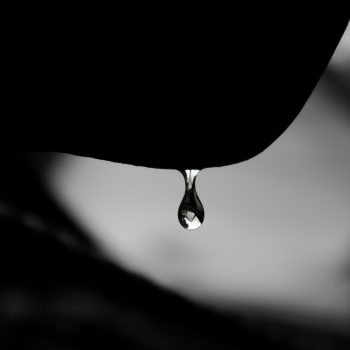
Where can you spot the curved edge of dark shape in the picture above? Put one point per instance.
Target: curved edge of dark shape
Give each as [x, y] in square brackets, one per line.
[269, 107]
[172, 162]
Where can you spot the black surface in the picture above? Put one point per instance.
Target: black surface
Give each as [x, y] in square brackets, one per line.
[168, 87]
[165, 86]
[210, 90]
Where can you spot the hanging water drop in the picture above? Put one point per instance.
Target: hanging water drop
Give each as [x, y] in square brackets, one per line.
[191, 211]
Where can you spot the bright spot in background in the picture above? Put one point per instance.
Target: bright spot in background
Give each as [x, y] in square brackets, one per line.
[277, 228]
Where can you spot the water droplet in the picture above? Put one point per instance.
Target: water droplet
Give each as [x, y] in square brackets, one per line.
[191, 211]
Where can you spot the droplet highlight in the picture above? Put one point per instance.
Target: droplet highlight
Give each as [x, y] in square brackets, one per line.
[191, 211]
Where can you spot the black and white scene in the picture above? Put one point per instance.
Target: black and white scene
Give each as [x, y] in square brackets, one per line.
[222, 224]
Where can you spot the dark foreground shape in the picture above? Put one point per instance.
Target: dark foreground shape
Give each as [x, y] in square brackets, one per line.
[210, 91]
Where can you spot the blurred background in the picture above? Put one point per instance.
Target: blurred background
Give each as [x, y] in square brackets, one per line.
[274, 246]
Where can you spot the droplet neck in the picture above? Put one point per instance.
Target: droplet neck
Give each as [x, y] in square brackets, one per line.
[191, 211]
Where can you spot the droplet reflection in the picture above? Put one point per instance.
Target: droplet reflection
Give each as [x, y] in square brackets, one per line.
[191, 211]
